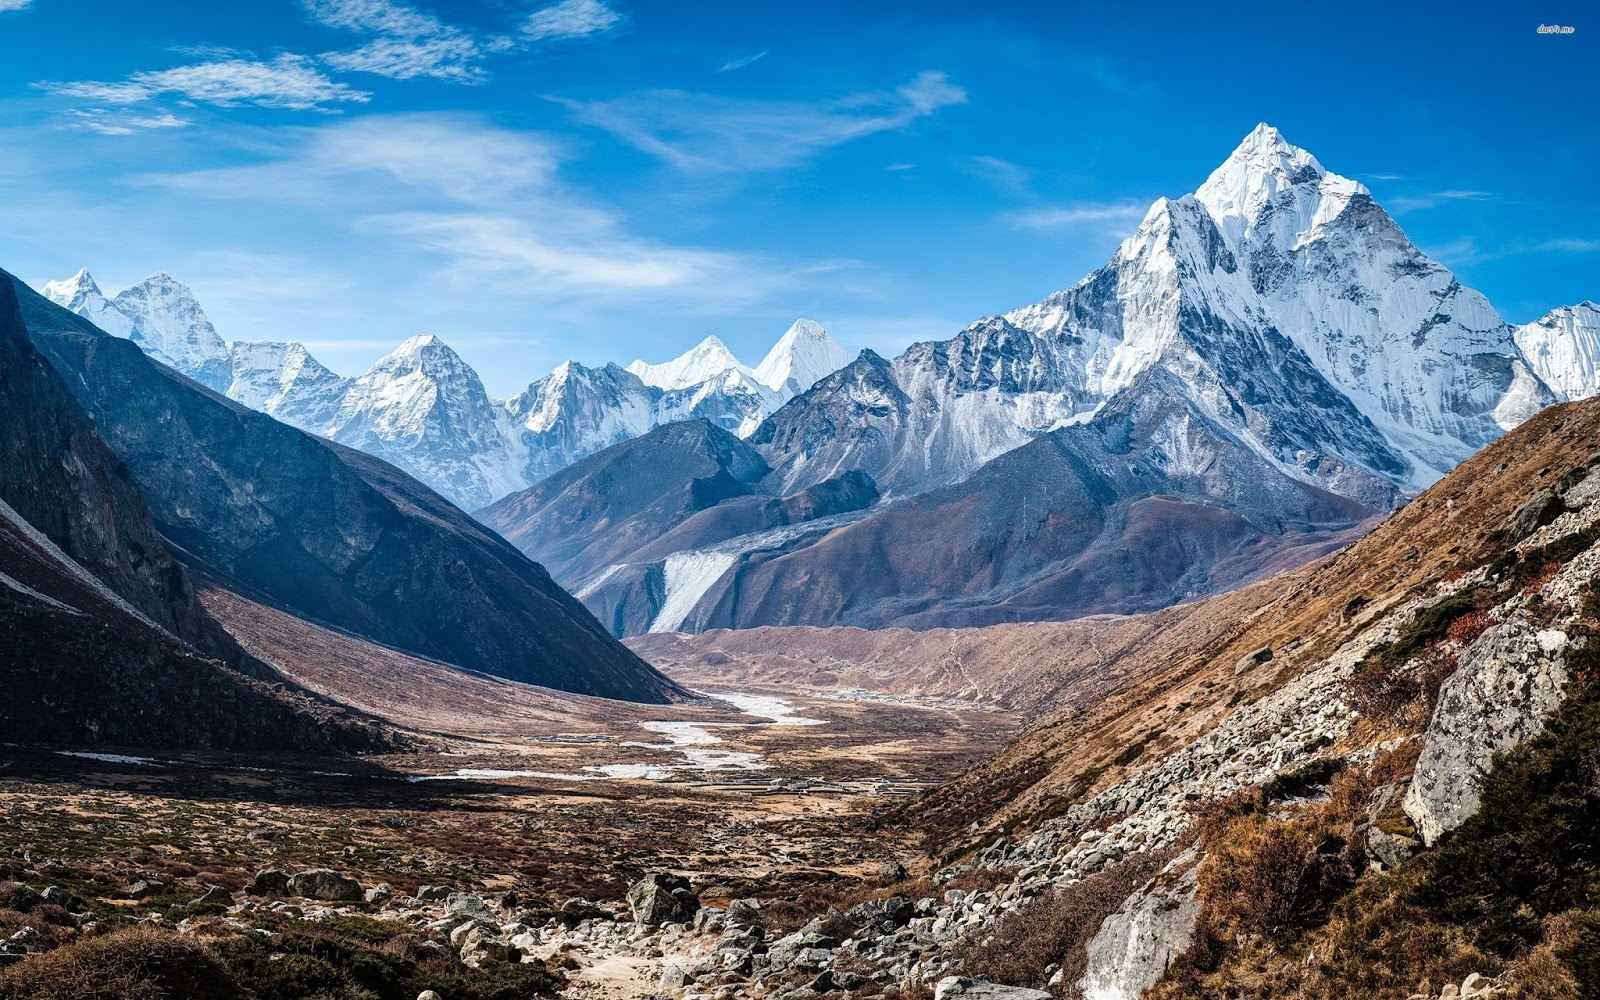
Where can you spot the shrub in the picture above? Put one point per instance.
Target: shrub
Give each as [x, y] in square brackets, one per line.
[1057, 928]
[1468, 627]
[132, 964]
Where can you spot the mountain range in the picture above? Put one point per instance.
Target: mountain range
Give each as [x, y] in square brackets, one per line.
[424, 409]
[1262, 367]
[129, 474]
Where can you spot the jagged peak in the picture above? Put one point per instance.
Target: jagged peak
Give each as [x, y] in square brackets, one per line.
[804, 354]
[64, 290]
[702, 362]
[1263, 165]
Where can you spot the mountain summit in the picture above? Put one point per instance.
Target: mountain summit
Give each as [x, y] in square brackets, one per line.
[426, 410]
[1261, 366]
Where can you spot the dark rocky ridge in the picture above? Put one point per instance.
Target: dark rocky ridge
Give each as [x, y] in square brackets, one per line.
[330, 534]
[101, 637]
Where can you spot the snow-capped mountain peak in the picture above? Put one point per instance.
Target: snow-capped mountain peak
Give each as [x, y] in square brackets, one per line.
[1563, 347]
[1254, 175]
[802, 356]
[74, 293]
[705, 360]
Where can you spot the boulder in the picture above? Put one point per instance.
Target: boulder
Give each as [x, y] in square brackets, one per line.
[467, 904]
[673, 977]
[892, 871]
[577, 909]
[215, 895]
[663, 899]
[1134, 945]
[1509, 680]
[884, 914]
[485, 944]
[429, 995]
[433, 893]
[325, 884]
[144, 888]
[1252, 659]
[960, 986]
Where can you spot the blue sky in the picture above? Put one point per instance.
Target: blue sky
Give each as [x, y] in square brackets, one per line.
[605, 179]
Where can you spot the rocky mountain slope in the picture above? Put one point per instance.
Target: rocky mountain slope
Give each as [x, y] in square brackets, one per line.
[633, 509]
[329, 533]
[1262, 366]
[102, 639]
[424, 409]
[1343, 772]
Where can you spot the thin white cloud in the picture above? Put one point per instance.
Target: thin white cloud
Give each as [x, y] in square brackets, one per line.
[488, 202]
[742, 62]
[1061, 216]
[708, 133]
[107, 122]
[410, 43]
[9, 5]
[570, 19]
[289, 81]
[1433, 199]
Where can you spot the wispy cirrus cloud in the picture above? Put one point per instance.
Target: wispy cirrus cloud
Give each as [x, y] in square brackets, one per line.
[570, 19]
[486, 201]
[742, 62]
[1062, 216]
[1433, 199]
[410, 43]
[9, 5]
[289, 81]
[108, 122]
[1469, 250]
[710, 133]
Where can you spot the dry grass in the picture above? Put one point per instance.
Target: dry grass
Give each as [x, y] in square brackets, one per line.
[132, 964]
[1054, 930]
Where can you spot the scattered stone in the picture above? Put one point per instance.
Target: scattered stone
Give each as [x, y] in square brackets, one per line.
[429, 995]
[325, 884]
[663, 899]
[467, 904]
[484, 944]
[379, 893]
[433, 893]
[960, 986]
[892, 871]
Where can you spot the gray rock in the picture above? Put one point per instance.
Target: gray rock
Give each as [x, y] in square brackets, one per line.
[429, 995]
[379, 893]
[1133, 946]
[663, 899]
[458, 934]
[433, 893]
[467, 904]
[892, 871]
[884, 914]
[577, 909]
[144, 888]
[1390, 848]
[673, 977]
[485, 944]
[215, 895]
[1252, 659]
[1509, 681]
[960, 986]
[325, 884]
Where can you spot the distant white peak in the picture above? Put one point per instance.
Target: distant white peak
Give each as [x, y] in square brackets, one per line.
[801, 357]
[1563, 347]
[71, 292]
[1253, 175]
[706, 360]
